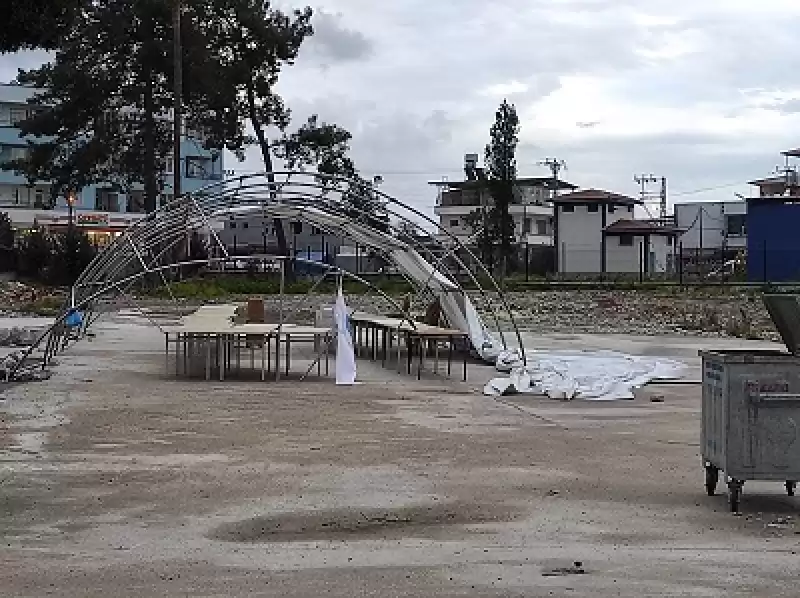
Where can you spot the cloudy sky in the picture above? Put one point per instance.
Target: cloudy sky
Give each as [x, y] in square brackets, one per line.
[705, 92]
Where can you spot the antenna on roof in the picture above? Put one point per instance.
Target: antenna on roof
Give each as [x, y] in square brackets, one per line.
[555, 165]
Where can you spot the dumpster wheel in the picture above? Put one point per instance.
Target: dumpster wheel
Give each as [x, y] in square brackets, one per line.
[712, 477]
[735, 494]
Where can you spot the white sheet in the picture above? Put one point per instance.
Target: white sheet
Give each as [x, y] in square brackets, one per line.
[345, 354]
[594, 376]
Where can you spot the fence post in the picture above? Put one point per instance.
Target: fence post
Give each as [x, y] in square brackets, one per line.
[641, 262]
[527, 262]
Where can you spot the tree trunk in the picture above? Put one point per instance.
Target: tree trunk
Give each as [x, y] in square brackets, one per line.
[149, 125]
[266, 154]
[150, 183]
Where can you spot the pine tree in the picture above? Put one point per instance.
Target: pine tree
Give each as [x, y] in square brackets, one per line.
[248, 46]
[501, 171]
[37, 24]
[71, 253]
[34, 254]
[100, 101]
[8, 250]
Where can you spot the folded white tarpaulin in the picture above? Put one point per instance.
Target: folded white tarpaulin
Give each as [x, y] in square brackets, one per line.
[345, 355]
[595, 376]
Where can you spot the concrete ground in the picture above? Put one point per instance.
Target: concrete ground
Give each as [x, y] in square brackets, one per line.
[117, 480]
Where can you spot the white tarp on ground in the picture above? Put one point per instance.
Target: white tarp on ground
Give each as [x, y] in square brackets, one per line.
[595, 376]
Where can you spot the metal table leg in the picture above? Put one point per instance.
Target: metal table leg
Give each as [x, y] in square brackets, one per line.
[327, 354]
[450, 358]
[410, 350]
[177, 354]
[278, 357]
[208, 357]
[421, 348]
[263, 357]
[288, 352]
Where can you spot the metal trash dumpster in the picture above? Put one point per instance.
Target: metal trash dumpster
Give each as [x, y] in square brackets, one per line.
[751, 409]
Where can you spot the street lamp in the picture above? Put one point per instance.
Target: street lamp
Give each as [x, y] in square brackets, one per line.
[71, 200]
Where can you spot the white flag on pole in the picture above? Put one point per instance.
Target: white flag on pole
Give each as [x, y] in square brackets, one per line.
[345, 355]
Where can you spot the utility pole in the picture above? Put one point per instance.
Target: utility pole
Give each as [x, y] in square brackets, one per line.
[177, 51]
[178, 90]
[647, 195]
[663, 211]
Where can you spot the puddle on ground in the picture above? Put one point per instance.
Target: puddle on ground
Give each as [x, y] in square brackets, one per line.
[360, 523]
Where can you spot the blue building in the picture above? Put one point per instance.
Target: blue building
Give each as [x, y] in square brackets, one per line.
[773, 227]
[101, 210]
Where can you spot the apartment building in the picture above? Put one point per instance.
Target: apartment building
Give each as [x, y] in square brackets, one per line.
[101, 210]
[460, 203]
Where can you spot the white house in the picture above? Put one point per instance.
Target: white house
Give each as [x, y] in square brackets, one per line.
[595, 233]
[634, 246]
[712, 225]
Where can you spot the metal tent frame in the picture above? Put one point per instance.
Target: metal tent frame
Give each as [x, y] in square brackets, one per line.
[153, 246]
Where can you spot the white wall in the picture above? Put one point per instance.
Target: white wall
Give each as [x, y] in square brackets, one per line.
[460, 214]
[624, 259]
[580, 237]
[662, 252]
[710, 218]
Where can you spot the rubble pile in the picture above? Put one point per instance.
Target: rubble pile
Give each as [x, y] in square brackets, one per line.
[14, 295]
[28, 371]
[732, 314]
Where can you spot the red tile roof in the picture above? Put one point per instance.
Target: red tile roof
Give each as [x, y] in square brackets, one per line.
[596, 195]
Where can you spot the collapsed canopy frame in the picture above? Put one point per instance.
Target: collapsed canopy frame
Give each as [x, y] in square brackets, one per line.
[434, 263]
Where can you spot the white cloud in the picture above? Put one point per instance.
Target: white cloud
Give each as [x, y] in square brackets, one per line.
[505, 90]
[705, 92]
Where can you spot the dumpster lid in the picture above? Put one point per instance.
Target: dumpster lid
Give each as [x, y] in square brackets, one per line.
[785, 313]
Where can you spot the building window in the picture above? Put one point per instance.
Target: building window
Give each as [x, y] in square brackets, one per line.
[297, 228]
[38, 199]
[18, 115]
[13, 152]
[526, 226]
[630, 209]
[454, 223]
[106, 201]
[735, 225]
[611, 208]
[232, 224]
[135, 202]
[568, 208]
[541, 227]
[198, 168]
[594, 207]
[626, 240]
[245, 225]
[315, 230]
